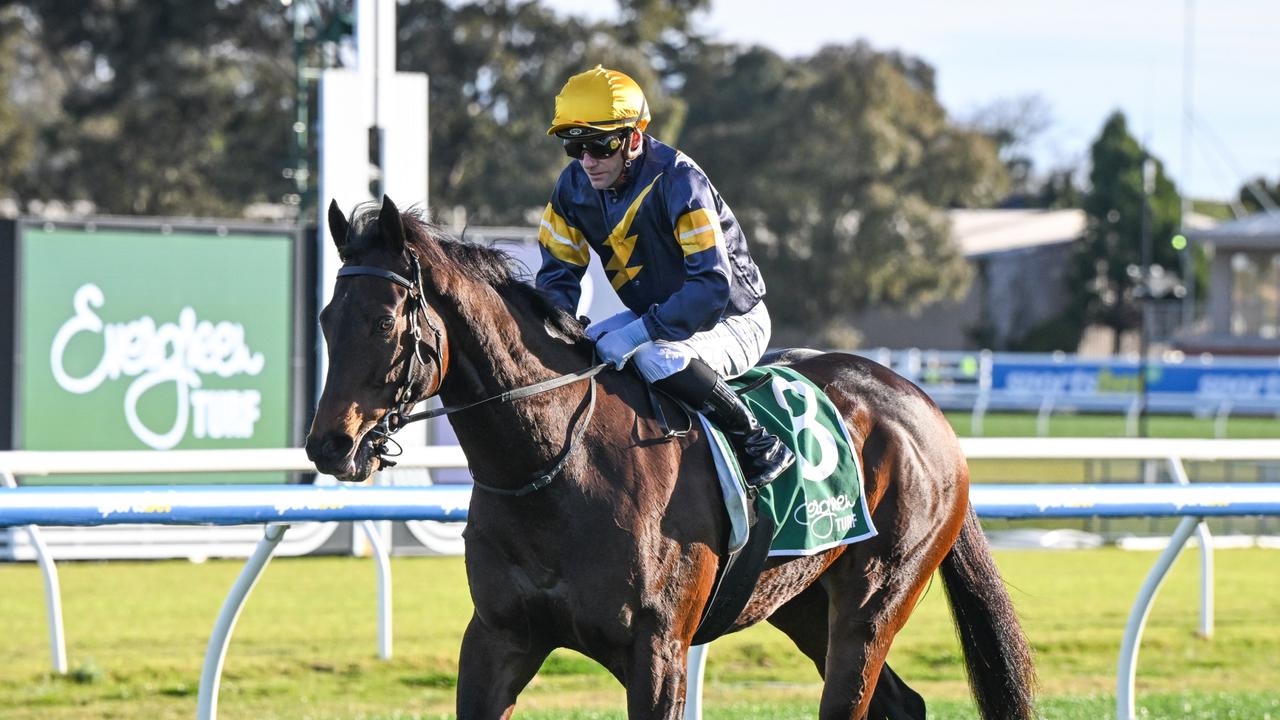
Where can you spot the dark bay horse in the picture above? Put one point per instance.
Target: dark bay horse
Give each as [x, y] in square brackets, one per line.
[616, 556]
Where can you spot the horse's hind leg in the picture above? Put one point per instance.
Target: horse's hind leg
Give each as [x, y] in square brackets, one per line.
[804, 620]
[870, 602]
[493, 667]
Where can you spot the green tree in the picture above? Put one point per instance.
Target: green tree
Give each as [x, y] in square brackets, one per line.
[1102, 276]
[1250, 191]
[16, 137]
[165, 107]
[495, 68]
[840, 166]
[1013, 125]
[1059, 191]
[664, 30]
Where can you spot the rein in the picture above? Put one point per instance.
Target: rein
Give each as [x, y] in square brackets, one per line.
[399, 416]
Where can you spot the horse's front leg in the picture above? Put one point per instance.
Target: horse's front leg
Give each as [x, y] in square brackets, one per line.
[493, 667]
[655, 678]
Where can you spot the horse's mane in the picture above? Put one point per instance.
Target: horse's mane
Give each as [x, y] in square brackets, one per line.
[484, 263]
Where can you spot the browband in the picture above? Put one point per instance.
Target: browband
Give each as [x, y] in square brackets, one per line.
[376, 272]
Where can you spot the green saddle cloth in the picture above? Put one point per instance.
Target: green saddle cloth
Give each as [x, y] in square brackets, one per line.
[818, 502]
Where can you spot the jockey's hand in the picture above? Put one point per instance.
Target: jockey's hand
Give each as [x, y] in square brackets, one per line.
[613, 322]
[619, 345]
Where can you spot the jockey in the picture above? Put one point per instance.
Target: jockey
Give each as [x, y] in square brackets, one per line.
[673, 252]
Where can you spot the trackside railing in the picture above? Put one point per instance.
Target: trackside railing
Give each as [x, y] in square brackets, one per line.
[279, 506]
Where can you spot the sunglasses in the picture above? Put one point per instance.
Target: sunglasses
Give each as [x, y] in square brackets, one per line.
[600, 147]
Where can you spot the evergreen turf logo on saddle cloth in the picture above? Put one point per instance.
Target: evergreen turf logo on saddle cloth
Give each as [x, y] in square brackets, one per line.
[818, 502]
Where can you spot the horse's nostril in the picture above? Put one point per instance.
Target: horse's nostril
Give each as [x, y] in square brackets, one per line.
[334, 446]
[337, 445]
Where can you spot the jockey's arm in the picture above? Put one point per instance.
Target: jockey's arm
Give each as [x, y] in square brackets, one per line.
[700, 302]
[564, 259]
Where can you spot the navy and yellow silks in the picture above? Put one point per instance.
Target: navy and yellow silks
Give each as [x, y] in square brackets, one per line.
[670, 246]
[818, 503]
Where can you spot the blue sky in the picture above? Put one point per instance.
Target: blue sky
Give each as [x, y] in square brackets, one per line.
[1084, 58]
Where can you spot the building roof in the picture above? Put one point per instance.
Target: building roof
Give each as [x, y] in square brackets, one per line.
[1256, 231]
[982, 232]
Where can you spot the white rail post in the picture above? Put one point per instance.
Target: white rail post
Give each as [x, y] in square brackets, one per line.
[694, 669]
[1179, 474]
[382, 557]
[52, 590]
[1138, 619]
[216, 654]
[1043, 417]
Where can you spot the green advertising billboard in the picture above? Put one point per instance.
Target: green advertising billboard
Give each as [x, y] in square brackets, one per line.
[155, 338]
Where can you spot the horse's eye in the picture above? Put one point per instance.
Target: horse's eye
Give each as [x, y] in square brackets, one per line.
[386, 324]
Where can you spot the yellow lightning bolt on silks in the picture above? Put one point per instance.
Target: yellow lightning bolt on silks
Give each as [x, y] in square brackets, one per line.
[623, 245]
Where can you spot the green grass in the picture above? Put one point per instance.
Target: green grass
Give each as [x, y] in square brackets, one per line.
[305, 646]
[1111, 425]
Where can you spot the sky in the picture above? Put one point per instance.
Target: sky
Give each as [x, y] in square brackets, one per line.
[1082, 58]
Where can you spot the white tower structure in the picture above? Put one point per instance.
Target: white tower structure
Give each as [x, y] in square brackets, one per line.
[373, 133]
[373, 141]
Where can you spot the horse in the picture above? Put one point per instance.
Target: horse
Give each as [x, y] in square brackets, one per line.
[612, 548]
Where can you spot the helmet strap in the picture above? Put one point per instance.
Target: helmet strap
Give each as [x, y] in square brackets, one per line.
[631, 146]
[626, 161]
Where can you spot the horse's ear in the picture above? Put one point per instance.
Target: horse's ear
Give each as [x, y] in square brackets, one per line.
[338, 225]
[391, 225]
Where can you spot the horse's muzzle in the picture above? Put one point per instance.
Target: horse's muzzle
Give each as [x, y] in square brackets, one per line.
[332, 454]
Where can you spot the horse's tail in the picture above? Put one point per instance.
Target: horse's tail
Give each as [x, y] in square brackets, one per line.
[1001, 674]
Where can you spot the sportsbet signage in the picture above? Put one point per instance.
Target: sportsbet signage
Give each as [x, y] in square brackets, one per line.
[154, 339]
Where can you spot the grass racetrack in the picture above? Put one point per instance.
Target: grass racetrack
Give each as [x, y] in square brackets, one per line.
[305, 646]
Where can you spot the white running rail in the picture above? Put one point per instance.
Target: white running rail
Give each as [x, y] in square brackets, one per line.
[280, 505]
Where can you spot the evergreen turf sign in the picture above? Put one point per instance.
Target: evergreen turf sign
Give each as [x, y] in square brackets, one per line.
[143, 339]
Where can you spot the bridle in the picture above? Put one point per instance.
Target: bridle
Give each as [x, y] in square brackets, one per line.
[405, 398]
[415, 305]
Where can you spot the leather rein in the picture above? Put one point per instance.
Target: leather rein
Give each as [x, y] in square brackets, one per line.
[399, 416]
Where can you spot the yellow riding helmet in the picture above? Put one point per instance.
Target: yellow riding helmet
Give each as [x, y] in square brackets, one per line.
[600, 99]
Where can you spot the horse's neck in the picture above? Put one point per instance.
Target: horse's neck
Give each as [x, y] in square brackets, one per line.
[493, 351]
[497, 351]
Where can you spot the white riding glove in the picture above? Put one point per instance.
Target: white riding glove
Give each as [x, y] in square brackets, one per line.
[619, 345]
[613, 322]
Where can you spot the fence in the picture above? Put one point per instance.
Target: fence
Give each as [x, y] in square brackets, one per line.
[1048, 383]
[278, 506]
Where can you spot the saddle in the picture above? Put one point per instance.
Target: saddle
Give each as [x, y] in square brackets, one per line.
[814, 506]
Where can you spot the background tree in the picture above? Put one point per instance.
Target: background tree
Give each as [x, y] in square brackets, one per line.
[164, 107]
[664, 31]
[1249, 192]
[839, 166]
[16, 137]
[1059, 191]
[495, 70]
[1013, 124]
[1101, 279]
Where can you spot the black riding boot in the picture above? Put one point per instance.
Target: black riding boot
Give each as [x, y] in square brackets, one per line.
[762, 454]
